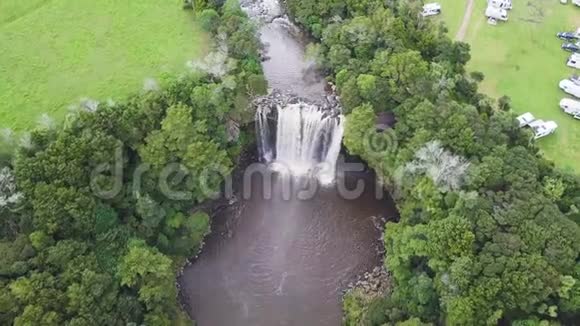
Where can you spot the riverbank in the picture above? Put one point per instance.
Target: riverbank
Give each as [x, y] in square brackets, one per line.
[469, 180]
[283, 256]
[95, 213]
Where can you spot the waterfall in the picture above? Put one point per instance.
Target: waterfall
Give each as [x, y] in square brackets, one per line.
[300, 139]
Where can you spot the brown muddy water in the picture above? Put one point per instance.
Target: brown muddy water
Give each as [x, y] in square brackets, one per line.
[285, 260]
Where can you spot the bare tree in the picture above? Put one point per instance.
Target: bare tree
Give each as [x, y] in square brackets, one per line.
[150, 85]
[46, 122]
[25, 141]
[9, 196]
[445, 169]
[89, 104]
[216, 63]
[7, 136]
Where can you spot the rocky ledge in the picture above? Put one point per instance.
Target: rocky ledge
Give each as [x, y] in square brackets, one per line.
[372, 284]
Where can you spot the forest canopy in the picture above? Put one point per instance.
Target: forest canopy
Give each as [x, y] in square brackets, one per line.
[89, 235]
[488, 228]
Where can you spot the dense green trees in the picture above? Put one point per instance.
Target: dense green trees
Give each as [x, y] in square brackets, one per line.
[486, 231]
[91, 233]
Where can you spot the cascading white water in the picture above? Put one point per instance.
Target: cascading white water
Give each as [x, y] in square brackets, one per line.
[301, 139]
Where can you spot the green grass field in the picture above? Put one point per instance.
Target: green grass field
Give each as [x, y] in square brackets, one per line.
[452, 14]
[522, 59]
[54, 52]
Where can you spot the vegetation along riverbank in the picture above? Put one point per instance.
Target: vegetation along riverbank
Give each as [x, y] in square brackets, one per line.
[488, 229]
[88, 234]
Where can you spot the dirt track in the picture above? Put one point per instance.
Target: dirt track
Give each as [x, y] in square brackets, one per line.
[466, 19]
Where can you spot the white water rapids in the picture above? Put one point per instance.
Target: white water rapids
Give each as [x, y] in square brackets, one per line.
[301, 139]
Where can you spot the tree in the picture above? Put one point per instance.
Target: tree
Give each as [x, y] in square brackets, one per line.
[554, 188]
[9, 195]
[69, 256]
[504, 103]
[209, 20]
[63, 211]
[147, 270]
[359, 124]
[480, 238]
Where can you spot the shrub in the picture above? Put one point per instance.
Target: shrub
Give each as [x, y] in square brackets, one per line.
[209, 20]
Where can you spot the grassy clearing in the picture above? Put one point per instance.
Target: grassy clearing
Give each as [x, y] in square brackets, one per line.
[522, 59]
[54, 52]
[452, 14]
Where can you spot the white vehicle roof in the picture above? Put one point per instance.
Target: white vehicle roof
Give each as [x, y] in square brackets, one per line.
[543, 128]
[566, 83]
[574, 61]
[525, 119]
[570, 103]
[570, 106]
[432, 6]
[570, 87]
[537, 123]
[552, 125]
[497, 13]
[495, 10]
[500, 3]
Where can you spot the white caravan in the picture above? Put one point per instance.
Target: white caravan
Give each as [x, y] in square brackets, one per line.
[525, 119]
[570, 87]
[575, 79]
[543, 128]
[496, 13]
[571, 107]
[503, 4]
[431, 9]
[574, 60]
[540, 128]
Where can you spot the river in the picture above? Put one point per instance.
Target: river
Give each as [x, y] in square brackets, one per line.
[285, 259]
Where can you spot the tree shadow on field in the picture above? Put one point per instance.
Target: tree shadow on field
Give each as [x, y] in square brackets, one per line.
[535, 12]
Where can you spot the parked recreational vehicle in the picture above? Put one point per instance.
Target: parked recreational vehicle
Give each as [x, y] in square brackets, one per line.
[570, 87]
[543, 128]
[574, 61]
[525, 119]
[431, 9]
[496, 13]
[575, 79]
[571, 107]
[540, 128]
[503, 4]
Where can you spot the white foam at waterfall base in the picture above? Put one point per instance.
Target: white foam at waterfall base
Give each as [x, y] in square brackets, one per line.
[307, 142]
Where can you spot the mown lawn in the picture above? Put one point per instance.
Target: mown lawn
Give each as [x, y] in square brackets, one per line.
[522, 59]
[54, 52]
[452, 14]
